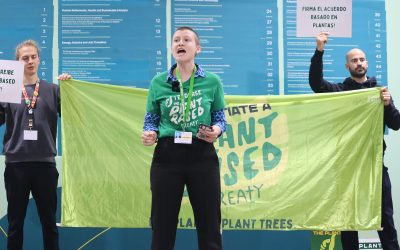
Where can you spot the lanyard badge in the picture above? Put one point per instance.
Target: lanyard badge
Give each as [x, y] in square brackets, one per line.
[185, 137]
[30, 104]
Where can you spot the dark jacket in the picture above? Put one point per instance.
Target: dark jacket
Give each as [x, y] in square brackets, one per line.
[319, 85]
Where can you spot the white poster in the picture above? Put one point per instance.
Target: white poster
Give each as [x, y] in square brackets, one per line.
[11, 80]
[333, 16]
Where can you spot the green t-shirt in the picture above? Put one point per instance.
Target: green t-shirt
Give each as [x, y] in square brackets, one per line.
[207, 96]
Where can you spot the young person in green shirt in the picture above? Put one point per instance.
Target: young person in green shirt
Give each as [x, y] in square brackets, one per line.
[185, 115]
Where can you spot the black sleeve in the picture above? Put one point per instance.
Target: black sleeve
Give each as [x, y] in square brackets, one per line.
[316, 78]
[58, 101]
[2, 113]
[392, 116]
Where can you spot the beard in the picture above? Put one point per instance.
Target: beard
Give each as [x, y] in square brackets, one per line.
[357, 74]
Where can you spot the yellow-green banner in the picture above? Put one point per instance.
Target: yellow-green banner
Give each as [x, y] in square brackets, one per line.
[287, 162]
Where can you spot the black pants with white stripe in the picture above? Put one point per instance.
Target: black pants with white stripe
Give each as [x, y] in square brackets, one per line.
[196, 166]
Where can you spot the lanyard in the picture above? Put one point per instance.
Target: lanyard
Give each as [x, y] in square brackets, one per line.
[31, 104]
[189, 99]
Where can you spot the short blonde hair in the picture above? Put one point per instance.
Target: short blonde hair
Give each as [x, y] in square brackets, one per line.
[25, 43]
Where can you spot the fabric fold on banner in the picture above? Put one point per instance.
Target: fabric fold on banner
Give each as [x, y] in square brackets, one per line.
[309, 162]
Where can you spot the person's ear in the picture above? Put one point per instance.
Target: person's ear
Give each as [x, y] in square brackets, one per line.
[198, 50]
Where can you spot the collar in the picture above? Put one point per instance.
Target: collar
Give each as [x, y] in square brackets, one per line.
[171, 78]
[350, 84]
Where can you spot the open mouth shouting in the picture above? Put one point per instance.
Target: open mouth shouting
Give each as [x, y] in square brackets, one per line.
[181, 51]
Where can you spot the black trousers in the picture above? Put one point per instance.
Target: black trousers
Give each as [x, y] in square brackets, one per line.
[196, 166]
[388, 235]
[41, 179]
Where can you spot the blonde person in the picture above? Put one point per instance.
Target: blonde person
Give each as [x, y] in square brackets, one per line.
[185, 115]
[29, 147]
